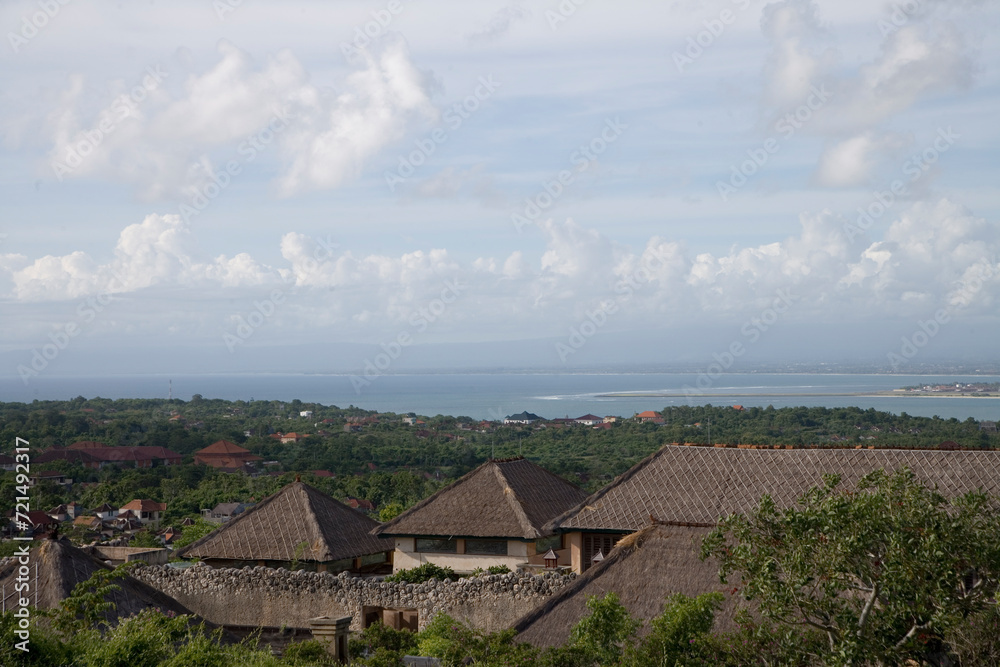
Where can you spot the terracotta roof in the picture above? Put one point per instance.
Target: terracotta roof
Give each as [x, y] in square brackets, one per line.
[648, 414]
[700, 484]
[506, 498]
[644, 569]
[86, 444]
[274, 528]
[144, 505]
[223, 447]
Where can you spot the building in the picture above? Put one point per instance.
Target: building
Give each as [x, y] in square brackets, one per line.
[649, 523]
[224, 512]
[643, 570]
[146, 511]
[589, 420]
[649, 416]
[494, 515]
[301, 527]
[100, 457]
[292, 437]
[306, 413]
[521, 418]
[225, 455]
[693, 486]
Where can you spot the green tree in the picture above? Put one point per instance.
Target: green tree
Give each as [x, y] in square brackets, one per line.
[607, 631]
[885, 572]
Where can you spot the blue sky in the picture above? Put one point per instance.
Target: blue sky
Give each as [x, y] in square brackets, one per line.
[711, 154]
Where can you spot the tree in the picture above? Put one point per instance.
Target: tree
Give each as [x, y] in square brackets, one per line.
[606, 631]
[884, 572]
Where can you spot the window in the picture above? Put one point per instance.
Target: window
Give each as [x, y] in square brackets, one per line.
[553, 542]
[436, 545]
[371, 559]
[486, 547]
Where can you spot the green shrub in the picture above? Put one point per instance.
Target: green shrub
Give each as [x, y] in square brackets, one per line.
[425, 572]
[310, 652]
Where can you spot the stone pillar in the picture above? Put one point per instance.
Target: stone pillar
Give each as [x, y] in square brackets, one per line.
[333, 633]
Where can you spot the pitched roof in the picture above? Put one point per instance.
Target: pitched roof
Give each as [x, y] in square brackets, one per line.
[501, 498]
[274, 528]
[643, 569]
[648, 414]
[223, 447]
[700, 484]
[523, 416]
[144, 505]
[61, 566]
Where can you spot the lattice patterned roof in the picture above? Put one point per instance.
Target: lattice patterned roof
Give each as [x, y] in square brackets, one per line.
[700, 484]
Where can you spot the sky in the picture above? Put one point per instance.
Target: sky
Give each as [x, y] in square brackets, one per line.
[251, 186]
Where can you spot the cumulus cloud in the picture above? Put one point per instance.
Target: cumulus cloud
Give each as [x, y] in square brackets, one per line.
[925, 56]
[927, 258]
[166, 136]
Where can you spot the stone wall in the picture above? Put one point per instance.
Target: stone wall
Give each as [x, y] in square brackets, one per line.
[275, 597]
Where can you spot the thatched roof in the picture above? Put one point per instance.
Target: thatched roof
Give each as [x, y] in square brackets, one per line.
[700, 484]
[61, 566]
[277, 527]
[643, 569]
[507, 498]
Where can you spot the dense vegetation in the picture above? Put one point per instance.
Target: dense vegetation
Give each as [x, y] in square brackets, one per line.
[392, 464]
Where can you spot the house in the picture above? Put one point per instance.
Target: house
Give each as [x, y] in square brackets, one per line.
[53, 476]
[649, 416]
[225, 455]
[7, 463]
[146, 511]
[359, 504]
[224, 512]
[292, 437]
[37, 522]
[106, 512]
[298, 526]
[611, 419]
[306, 413]
[57, 567]
[589, 420]
[693, 486]
[89, 522]
[493, 515]
[521, 418]
[66, 512]
[643, 570]
[100, 457]
[649, 523]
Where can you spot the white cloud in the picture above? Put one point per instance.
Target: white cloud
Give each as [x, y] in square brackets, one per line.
[164, 136]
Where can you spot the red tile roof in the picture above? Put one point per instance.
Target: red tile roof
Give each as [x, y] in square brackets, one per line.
[143, 505]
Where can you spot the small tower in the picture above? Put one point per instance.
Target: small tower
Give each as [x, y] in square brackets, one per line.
[551, 559]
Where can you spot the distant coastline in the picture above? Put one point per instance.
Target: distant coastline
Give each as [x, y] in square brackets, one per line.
[878, 394]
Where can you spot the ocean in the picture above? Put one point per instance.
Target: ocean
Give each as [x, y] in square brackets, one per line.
[550, 395]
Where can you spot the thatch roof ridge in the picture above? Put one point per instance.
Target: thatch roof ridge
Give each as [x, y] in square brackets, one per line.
[514, 502]
[514, 497]
[386, 527]
[556, 523]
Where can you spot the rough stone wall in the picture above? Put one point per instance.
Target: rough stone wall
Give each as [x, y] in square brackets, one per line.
[276, 597]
